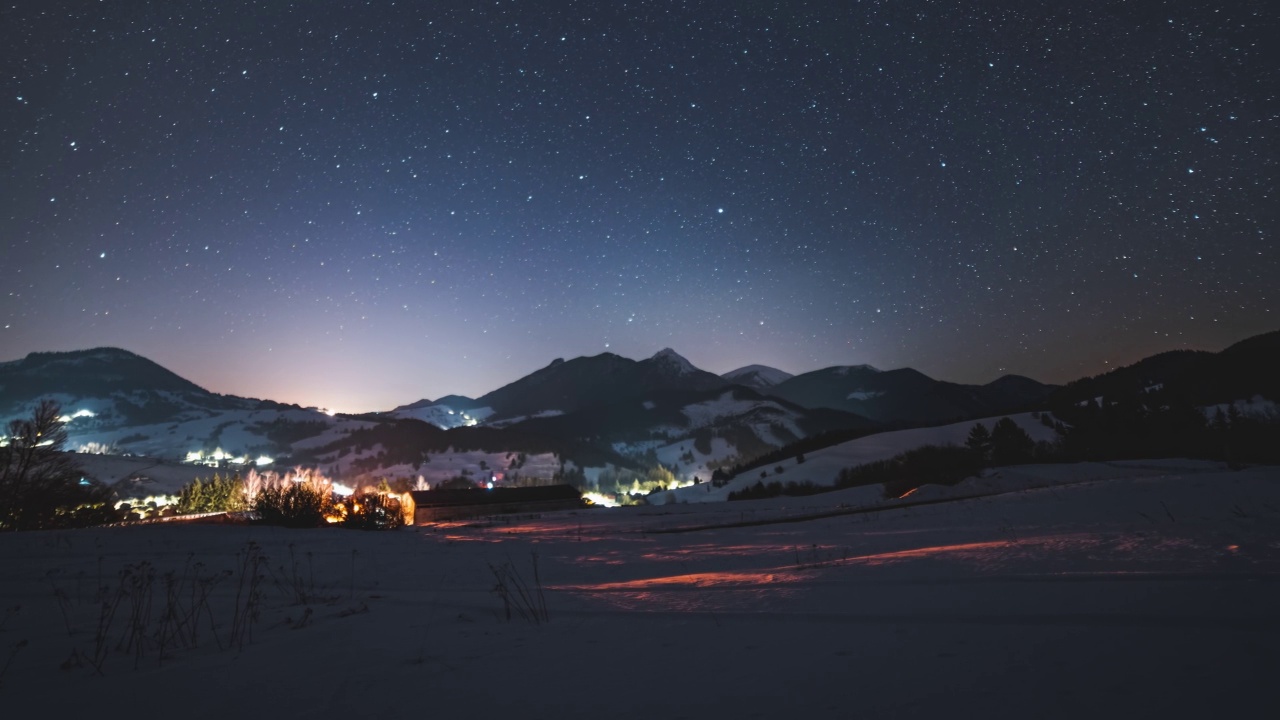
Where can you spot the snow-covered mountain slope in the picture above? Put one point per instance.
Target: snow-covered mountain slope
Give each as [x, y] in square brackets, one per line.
[821, 467]
[442, 415]
[673, 361]
[758, 377]
[251, 434]
[117, 400]
[710, 426]
[366, 465]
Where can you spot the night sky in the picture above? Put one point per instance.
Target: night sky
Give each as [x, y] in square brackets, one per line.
[358, 205]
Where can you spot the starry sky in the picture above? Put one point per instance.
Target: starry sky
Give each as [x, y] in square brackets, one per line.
[360, 204]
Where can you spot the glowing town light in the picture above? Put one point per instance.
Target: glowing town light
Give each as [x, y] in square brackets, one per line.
[263, 460]
[195, 456]
[342, 490]
[600, 500]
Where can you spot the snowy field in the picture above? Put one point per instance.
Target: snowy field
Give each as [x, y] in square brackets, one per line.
[1110, 590]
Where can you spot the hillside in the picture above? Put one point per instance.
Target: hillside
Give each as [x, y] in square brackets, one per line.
[908, 397]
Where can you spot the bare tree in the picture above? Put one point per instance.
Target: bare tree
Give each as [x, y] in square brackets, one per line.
[40, 483]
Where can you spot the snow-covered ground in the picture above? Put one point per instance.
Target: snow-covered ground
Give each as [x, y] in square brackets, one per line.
[135, 478]
[1128, 590]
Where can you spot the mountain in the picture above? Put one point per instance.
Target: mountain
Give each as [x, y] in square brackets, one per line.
[757, 377]
[1247, 368]
[906, 396]
[125, 403]
[586, 411]
[116, 385]
[568, 385]
[86, 372]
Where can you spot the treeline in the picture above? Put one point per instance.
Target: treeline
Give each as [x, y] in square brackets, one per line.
[1134, 427]
[303, 500]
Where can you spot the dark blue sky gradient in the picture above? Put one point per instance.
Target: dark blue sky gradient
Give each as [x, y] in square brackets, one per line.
[358, 205]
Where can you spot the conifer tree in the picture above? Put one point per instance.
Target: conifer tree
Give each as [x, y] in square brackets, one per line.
[979, 440]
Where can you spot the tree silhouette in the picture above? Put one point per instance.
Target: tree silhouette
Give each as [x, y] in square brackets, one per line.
[1010, 444]
[40, 483]
[979, 440]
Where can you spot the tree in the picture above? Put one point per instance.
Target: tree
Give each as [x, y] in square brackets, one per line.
[41, 485]
[979, 440]
[1010, 444]
[217, 494]
[295, 504]
[373, 511]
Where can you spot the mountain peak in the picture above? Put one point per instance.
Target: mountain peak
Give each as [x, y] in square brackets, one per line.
[846, 369]
[756, 376]
[672, 358]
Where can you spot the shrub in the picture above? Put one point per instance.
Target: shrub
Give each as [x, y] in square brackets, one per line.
[373, 511]
[297, 504]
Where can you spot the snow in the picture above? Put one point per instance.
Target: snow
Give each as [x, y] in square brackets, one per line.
[846, 369]
[726, 405]
[135, 478]
[1256, 406]
[675, 360]
[672, 455]
[507, 422]
[475, 464]
[760, 376]
[444, 416]
[865, 395]
[822, 466]
[1125, 590]
[236, 431]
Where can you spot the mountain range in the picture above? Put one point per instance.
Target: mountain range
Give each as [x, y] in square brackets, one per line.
[586, 411]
